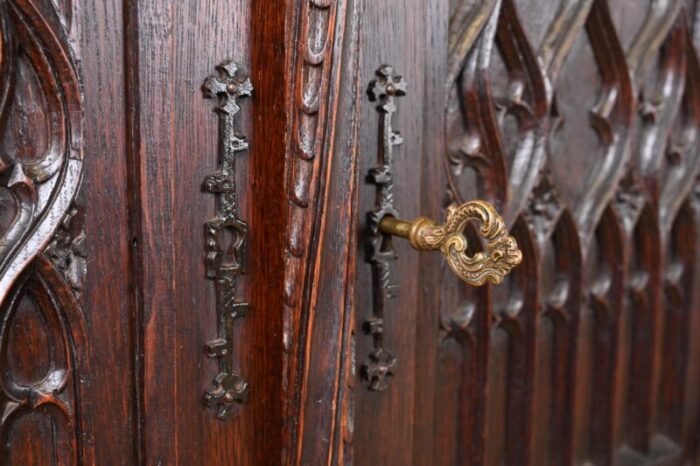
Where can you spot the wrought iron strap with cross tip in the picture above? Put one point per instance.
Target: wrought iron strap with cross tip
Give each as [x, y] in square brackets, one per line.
[223, 262]
[380, 364]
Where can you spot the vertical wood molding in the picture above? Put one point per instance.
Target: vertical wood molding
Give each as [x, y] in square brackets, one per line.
[273, 110]
[150, 224]
[314, 59]
[320, 258]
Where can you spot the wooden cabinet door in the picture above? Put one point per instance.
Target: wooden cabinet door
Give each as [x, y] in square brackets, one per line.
[579, 122]
[190, 273]
[110, 284]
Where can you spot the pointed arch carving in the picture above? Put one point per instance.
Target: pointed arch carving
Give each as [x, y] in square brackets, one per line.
[42, 259]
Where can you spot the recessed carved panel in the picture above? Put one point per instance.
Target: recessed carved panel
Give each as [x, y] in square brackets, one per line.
[27, 358]
[41, 343]
[42, 260]
[28, 129]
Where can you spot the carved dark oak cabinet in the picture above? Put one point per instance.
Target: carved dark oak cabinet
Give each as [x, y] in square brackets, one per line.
[207, 252]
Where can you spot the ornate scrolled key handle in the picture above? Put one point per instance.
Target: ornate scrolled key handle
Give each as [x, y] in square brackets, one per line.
[501, 255]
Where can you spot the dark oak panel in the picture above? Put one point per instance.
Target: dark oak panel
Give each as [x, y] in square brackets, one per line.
[578, 119]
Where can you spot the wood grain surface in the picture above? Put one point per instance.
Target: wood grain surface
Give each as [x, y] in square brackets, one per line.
[578, 119]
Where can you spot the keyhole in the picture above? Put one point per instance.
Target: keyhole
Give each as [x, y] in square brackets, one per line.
[230, 240]
[387, 244]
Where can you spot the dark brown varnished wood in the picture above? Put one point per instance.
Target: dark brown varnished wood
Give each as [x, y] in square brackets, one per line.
[578, 357]
[578, 119]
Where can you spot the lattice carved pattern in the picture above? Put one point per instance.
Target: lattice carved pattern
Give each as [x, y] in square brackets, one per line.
[603, 263]
[42, 256]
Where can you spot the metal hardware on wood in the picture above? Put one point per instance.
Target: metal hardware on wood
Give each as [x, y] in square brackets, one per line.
[380, 364]
[223, 262]
[501, 255]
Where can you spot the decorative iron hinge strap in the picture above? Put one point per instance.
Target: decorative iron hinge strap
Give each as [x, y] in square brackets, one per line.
[380, 363]
[223, 261]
